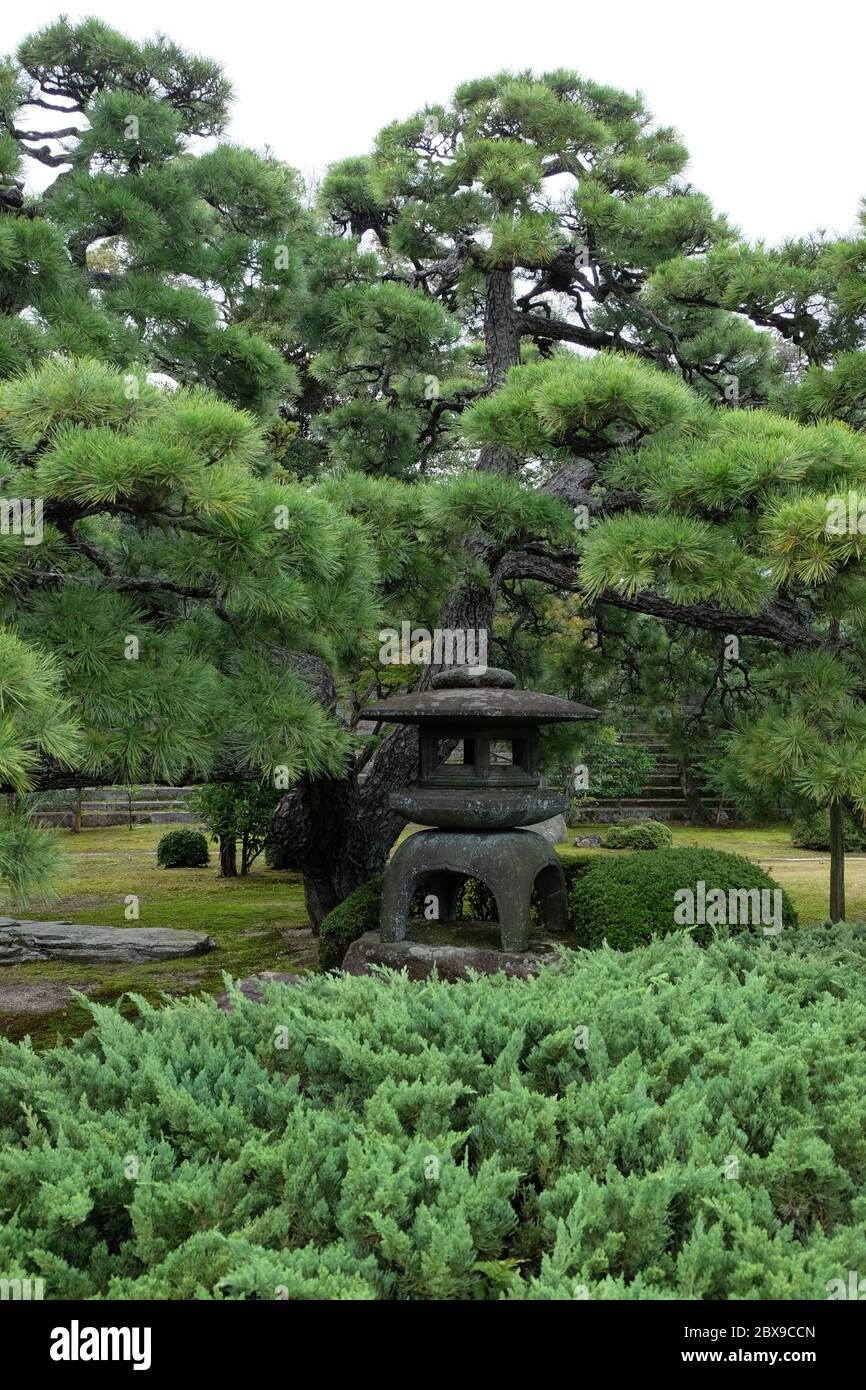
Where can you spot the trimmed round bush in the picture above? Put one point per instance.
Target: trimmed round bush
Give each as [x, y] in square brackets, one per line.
[811, 830]
[182, 849]
[631, 899]
[642, 834]
[355, 915]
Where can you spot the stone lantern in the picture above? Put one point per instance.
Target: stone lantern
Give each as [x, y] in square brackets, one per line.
[478, 785]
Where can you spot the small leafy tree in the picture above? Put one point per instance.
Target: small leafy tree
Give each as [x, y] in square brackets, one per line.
[233, 811]
[615, 768]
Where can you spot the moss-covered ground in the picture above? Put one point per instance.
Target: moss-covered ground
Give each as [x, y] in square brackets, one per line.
[259, 923]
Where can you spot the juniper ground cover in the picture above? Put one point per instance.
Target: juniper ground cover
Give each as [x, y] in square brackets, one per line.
[667, 1122]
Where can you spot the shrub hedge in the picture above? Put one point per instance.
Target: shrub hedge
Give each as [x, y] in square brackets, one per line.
[624, 901]
[629, 900]
[355, 915]
[642, 834]
[811, 830]
[371, 1138]
[183, 849]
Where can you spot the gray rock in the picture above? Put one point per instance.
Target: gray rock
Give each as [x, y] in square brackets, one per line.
[554, 830]
[31, 941]
[33, 997]
[587, 841]
[252, 988]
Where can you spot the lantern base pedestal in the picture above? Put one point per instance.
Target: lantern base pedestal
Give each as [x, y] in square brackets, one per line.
[511, 863]
[452, 953]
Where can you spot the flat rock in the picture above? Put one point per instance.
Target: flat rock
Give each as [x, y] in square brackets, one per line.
[252, 988]
[425, 950]
[587, 841]
[21, 942]
[40, 997]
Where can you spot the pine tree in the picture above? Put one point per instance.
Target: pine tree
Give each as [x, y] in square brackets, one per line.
[191, 603]
[721, 520]
[548, 214]
[528, 213]
[142, 247]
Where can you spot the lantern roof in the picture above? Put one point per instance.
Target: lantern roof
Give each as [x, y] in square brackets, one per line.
[477, 695]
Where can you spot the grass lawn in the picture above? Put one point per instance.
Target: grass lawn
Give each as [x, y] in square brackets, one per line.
[258, 922]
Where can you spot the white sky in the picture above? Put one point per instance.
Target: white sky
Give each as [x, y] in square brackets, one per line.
[767, 95]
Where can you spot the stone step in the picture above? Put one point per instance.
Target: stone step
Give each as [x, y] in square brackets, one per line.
[641, 803]
[120, 795]
[612, 815]
[137, 806]
[92, 820]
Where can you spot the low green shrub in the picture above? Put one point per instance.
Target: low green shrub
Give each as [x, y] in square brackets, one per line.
[811, 830]
[631, 899]
[182, 849]
[355, 915]
[643, 834]
[432, 1141]
[616, 768]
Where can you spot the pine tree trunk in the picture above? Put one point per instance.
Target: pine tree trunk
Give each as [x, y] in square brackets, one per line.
[502, 344]
[837, 862]
[322, 834]
[691, 792]
[228, 857]
[501, 338]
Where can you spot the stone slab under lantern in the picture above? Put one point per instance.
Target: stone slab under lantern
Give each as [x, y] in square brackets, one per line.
[452, 953]
[478, 784]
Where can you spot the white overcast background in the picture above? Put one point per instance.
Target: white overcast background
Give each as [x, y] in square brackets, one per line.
[767, 97]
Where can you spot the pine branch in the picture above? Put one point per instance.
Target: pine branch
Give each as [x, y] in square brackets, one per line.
[778, 621]
[536, 326]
